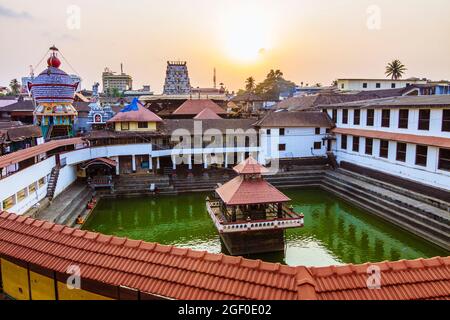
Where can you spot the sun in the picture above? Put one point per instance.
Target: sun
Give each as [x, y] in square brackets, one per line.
[246, 35]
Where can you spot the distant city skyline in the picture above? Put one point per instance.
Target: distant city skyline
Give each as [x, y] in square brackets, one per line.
[309, 41]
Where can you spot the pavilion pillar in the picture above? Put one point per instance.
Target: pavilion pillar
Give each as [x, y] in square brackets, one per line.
[133, 163]
[233, 214]
[150, 162]
[280, 211]
[158, 165]
[242, 156]
[226, 160]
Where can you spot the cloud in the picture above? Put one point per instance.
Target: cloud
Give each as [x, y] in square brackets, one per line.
[8, 13]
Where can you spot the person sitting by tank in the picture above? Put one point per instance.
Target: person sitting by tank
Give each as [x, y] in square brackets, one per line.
[80, 220]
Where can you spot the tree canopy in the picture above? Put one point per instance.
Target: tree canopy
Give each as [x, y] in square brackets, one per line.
[395, 69]
[271, 88]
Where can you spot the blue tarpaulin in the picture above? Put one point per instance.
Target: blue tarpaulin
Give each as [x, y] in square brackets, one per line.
[133, 106]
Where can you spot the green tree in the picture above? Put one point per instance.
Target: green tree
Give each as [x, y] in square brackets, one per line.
[15, 87]
[250, 84]
[274, 85]
[395, 69]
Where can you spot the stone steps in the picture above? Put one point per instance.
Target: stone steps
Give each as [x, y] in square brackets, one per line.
[434, 231]
[77, 207]
[405, 192]
[404, 201]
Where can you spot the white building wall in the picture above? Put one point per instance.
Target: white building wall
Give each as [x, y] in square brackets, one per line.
[13, 184]
[436, 115]
[357, 84]
[299, 143]
[430, 174]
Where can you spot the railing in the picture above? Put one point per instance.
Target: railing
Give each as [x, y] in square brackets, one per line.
[254, 225]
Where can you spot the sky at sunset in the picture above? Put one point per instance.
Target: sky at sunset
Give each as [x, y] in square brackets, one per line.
[309, 40]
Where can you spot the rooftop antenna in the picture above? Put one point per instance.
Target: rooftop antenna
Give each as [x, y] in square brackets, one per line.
[214, 78]
[121, 68]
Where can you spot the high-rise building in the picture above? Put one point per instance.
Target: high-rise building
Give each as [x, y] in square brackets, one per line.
[177, 78]
[122, 82]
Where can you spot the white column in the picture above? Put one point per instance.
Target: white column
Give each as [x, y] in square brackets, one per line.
[174, 164]
[205, 161]
[150, 162]
[190, 162]
[133, 163]
[226, 160]
[117, 166]
[242, 156]
[158, 166]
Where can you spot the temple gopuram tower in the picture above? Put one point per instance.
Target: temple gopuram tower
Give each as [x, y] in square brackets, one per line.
[177, 78]
[53, 92]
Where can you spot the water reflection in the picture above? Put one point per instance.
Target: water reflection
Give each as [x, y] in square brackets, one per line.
[334, 233]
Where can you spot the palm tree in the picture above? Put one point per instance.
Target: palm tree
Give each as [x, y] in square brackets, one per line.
[395, 69]
[15, 86]
[250, 84]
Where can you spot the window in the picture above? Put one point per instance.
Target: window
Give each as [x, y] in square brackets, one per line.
[282, 147]
[384, 149]
[345, 116]
[370, 117]
[22, 194]
[393, 85]
[421, 155]
[317, 145]
[124, 126]
[268, 131]
[365, 85]
[344, 142]
[32, 187]
[317, 130]
[378, 85]
[403, 116]
[385, 117]
[424, 119]
[446, 120]
[369, 146]
[444, 159]
[142, 125]
[334, 115]
[342, 86]
[9, 202]
[401, 151]
[355, 144]
[281, 131]
[357, 117]
[41, 182]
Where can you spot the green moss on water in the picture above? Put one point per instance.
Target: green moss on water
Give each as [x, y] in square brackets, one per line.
[335, 232]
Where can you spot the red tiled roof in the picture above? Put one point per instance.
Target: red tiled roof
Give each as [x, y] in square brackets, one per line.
[27, 153]
[141, 115]
[207, 114]
[239, 191]
[401, 280]
[408, 138]
[106, 161]
[149, 267]
[250, 166]
[195, 106]
[178, 273]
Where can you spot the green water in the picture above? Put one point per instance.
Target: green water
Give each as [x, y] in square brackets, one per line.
[334, 232]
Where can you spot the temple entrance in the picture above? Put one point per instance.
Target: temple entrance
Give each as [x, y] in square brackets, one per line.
[99, 172]
[125, 165]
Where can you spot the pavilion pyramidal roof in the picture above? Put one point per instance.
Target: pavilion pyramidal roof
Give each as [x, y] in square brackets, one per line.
[241, 190]
[250, 166]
